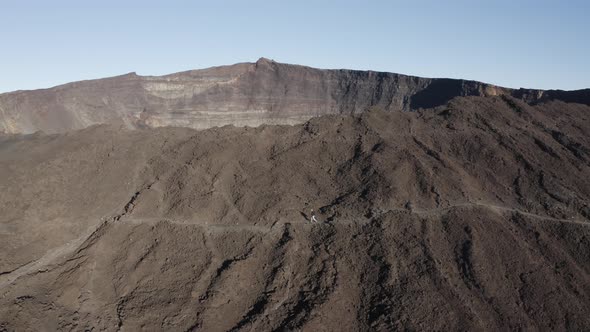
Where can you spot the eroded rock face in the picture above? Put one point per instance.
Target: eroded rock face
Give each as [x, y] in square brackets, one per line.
[246, 94]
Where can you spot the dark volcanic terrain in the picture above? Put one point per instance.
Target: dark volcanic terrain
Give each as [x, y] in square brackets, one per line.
[471, 213]
[265, 92]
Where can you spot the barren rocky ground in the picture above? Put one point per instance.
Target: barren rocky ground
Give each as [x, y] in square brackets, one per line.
[470, 215]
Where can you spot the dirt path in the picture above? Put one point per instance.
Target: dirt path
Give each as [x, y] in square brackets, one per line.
[57, 255]
[208, 226]
[51, 258]
[499, 209]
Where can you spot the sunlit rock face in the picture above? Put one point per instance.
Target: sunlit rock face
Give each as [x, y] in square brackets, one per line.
[245, 94]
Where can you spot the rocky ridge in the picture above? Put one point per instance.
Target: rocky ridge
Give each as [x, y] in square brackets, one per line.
[245, 94]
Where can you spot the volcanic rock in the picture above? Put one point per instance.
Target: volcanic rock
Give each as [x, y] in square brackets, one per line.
[472, 215]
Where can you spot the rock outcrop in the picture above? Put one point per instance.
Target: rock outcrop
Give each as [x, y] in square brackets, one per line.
[245, 94]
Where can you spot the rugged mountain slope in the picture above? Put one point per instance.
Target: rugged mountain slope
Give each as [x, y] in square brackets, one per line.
[472, 215]
[265, 92]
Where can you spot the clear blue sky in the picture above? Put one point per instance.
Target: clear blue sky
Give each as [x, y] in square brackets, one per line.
[537, 44]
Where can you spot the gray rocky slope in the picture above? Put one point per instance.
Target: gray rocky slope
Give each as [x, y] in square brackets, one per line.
[469, 216]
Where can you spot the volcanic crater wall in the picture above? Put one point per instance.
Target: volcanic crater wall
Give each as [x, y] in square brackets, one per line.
[245, 94]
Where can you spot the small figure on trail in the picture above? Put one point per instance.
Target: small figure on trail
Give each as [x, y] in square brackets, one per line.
[409, 206]
[313, 217]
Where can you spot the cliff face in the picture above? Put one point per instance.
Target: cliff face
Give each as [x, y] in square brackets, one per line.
[242, 94]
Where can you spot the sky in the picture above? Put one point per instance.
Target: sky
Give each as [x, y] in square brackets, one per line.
[534, 44]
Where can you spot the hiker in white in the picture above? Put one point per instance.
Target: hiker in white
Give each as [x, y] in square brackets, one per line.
[313, 218]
